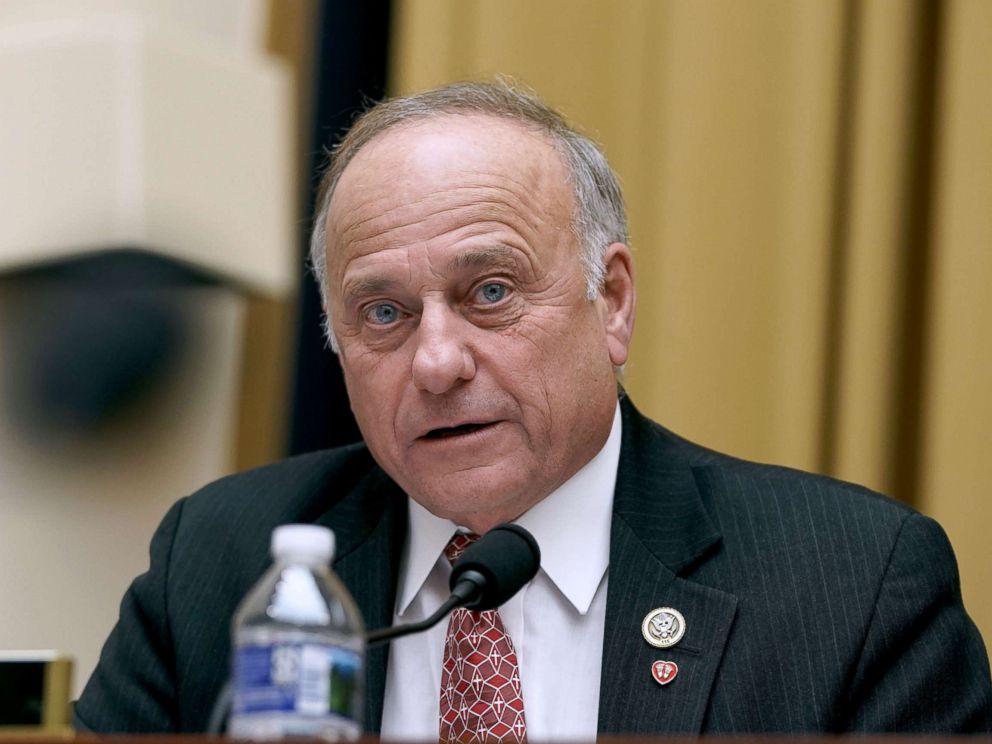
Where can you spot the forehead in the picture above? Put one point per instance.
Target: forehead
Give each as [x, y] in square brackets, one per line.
[445, 145]
[432, 173]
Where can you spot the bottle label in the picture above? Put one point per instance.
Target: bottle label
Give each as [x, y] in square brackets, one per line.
[308, 678]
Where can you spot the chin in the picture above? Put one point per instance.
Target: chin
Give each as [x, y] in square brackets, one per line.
[472, 498]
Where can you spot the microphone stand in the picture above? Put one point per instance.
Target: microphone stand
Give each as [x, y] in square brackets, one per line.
[218, 714]
[465, 593]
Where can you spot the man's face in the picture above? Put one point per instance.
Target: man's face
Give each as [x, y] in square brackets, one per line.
[480, 374]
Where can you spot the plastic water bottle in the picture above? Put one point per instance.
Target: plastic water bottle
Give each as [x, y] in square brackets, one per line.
[298, 647]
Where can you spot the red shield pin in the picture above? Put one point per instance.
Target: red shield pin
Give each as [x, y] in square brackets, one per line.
[664, 671]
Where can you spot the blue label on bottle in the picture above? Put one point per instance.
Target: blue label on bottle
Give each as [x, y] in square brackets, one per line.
[307, 678]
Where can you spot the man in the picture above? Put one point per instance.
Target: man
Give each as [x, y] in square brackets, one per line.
[472, 255]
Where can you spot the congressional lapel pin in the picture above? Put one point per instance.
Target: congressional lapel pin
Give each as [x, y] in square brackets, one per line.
[663, 627]
[664, 671]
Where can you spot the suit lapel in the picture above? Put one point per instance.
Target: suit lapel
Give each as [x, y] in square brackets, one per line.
[660, 531]
[370, 526]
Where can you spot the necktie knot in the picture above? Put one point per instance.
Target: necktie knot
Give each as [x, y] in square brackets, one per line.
[458, 545]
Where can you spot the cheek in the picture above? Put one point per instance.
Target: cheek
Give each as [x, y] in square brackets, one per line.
[576, 368]
[534, 369]
[567, 346]
[374, 385]
[372, 368]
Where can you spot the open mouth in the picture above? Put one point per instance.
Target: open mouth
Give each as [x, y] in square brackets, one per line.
[446, 432]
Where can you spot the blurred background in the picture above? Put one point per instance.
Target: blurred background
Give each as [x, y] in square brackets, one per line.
[810, 193]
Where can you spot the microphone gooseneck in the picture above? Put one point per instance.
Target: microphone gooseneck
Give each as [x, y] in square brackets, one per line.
[491, 570]
[375, 637]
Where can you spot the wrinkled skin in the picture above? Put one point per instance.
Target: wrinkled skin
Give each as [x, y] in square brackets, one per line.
[481, 375]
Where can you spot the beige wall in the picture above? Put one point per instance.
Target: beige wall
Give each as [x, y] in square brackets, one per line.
[808, 188]
[77, 512]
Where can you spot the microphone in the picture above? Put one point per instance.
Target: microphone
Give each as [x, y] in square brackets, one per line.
[495, 567]
[491, 570]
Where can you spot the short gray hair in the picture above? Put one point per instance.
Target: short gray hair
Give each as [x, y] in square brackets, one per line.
[598, 221]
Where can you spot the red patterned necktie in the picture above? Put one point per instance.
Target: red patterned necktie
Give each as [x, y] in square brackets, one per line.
[481, 699]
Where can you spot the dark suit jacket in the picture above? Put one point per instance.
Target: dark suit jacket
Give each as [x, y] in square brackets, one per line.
[810, 605]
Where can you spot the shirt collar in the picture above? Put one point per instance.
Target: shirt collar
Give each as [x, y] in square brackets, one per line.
[571, 526]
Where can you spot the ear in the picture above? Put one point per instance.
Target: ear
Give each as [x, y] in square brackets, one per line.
[618, 301]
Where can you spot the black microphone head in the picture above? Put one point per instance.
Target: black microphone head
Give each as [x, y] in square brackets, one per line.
[507, 557]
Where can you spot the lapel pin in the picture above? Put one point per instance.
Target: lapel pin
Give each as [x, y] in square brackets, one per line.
[664, 671]
[663, 627]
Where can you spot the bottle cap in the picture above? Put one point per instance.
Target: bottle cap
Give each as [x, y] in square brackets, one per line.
[307, 541]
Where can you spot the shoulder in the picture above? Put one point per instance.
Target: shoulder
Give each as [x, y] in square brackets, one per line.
[807, 521]
[229, 522]
[311, 482]
[797, 502]
[764, 507]
[729, 482]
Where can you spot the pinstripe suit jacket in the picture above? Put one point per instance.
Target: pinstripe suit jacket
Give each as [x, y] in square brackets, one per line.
[810, 605]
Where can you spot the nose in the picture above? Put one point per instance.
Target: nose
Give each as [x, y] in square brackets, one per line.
[442, 359]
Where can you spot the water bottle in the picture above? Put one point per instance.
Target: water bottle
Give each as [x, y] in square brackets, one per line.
[298, 647]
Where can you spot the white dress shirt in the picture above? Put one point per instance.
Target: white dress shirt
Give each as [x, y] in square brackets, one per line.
[555, 622]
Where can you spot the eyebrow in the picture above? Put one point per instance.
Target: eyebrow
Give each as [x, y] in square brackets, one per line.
[495, 256]
[366, 286]
[498, 256]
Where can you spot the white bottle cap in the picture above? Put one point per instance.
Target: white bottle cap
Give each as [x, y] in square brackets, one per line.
[306, 541]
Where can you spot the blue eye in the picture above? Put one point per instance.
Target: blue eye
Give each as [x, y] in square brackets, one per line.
[492, 292]
[383, 314]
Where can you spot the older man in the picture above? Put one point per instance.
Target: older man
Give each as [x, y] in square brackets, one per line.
[471, 249]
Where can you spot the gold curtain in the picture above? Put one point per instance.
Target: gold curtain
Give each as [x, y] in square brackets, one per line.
[810, 189]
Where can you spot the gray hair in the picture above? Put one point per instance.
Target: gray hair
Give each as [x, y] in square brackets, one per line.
[599, 218]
